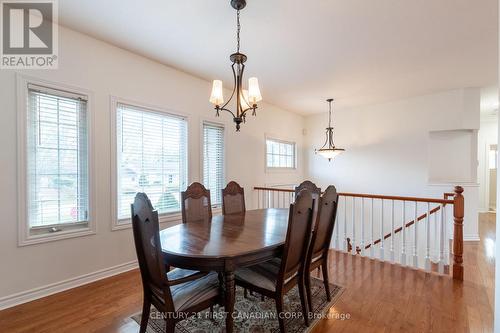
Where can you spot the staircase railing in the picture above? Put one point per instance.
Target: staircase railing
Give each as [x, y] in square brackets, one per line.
[409, 231]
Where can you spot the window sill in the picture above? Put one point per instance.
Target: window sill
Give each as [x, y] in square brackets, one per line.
[171, 219]
[165, 218]
[50, 237]
[280, 170]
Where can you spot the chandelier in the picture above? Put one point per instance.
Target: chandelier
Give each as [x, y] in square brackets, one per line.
[246, 100]
[329, 150]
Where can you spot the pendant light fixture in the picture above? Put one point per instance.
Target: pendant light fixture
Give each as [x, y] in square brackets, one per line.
[246, 100]
[329, 150]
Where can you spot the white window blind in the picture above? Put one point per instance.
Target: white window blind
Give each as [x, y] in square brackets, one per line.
[213, 161]
[280, 154]
[151, 158]
[57, 158]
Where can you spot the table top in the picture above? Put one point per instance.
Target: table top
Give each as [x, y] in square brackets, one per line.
[227, 235]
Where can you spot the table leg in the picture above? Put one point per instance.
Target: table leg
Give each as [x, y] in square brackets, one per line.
[230, 295]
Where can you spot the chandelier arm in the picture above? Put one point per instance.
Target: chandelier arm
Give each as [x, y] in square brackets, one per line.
[234, 88]
[332, 145]
[326, 141]
[239, 91]
[231, 112]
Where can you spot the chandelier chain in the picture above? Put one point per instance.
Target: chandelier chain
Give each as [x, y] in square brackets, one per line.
[238, 30]
[330, 115]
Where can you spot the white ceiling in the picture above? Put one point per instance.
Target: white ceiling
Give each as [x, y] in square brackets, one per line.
[303, 51]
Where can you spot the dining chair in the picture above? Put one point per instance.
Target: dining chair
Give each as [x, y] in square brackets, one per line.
[177, 294]
[276, 277]
[196, 204]
[317, 255]
[233, 199]
[315, 191]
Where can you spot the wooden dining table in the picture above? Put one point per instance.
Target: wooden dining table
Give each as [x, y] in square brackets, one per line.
[226, 243]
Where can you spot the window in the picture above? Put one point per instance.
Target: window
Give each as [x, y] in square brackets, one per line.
[213, 161]
[57, 171]
[280, 154]
[151, 157]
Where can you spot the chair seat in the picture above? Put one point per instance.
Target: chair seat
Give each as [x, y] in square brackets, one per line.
[188, 294]
[263, 275]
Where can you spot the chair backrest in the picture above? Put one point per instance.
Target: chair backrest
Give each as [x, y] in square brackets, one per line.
[196, 204]
[298, 234]
[148, 247]
[324, 224]
[233, 198]
[315, 192]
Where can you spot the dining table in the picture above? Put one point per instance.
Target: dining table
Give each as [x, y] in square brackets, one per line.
[225, 243]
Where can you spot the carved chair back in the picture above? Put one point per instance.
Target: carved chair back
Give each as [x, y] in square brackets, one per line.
[196, 204]
[148, 248]
[233, 198]
[298, 235]
[324, 224]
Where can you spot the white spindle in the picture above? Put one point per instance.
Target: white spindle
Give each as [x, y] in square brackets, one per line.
[446, 239]
[362, 241]
[373, 230]
[345, 224]
[353, 240]
[441, 242]
[337, 232]
[381, 229]
[403, 234]
[415, 237]
[392, 230]
[428, 239]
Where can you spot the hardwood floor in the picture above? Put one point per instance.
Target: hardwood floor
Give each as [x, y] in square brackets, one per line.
[379, 297]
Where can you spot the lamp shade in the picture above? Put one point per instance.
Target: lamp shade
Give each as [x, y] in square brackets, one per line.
[254, 95]
[244, 99]
[217, 97]
[330, 153]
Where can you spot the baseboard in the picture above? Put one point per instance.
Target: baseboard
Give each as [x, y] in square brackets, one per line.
[53, 288]
[471, 238]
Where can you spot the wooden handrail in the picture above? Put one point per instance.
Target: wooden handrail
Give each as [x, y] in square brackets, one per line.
[458, 218]
[372, 196]
[274, 189]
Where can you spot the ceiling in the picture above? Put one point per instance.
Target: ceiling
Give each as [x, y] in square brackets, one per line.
[357, 51]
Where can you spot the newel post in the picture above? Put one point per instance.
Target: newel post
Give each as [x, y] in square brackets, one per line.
[458, 234]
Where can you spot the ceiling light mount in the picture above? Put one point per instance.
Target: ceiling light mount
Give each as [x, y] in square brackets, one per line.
[238, 4]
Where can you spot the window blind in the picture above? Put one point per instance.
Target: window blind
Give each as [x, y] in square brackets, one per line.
[280, 154]
[213, 161]
[57, 158]
[151, 158]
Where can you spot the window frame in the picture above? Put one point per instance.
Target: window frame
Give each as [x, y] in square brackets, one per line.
[280, 169]
[216, 208]
[35, 235]
[126, 223]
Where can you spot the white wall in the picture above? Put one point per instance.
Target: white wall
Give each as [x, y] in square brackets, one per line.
[109, 71]
[488, 134]
[389, 148]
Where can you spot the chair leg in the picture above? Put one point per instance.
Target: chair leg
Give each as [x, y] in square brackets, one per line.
[279, 311]
[169, 326]
[303, 301]
[146, 309]
[324, 268]
[307, 283]
[262, 298]
[245, 292]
